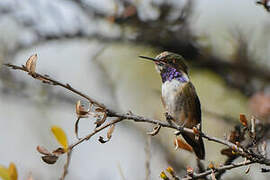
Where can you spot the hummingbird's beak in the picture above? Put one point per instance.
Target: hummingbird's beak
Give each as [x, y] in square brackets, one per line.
[148, 58]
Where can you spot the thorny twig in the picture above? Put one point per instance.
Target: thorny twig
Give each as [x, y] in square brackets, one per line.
[251, 156]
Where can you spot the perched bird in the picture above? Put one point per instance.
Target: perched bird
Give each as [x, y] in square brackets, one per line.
[179, 97]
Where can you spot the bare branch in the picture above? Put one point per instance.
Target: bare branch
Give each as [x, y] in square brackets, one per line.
[240, 151]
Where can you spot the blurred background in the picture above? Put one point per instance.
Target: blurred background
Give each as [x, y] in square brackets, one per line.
[94, 46]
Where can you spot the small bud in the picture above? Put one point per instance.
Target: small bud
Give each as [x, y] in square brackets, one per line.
[31, 64]
[164, 176]
[211, 165]
[190, 171]
[171, 171]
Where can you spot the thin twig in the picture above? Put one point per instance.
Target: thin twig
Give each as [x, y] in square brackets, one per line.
[65, 172]
[226, 167]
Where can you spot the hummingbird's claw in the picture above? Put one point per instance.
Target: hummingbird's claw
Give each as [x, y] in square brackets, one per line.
[155, 131]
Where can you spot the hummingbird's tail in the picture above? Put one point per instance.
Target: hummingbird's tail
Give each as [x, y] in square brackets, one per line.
[197, 145]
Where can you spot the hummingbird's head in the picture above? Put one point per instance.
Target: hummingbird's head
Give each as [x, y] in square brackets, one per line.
[170, 65]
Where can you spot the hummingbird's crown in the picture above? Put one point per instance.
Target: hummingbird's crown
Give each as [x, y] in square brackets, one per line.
[173, 59]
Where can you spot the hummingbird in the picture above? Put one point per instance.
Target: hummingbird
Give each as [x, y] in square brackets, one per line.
[179, 97]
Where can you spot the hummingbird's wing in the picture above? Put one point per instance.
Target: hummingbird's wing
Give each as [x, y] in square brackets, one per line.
[192, 108]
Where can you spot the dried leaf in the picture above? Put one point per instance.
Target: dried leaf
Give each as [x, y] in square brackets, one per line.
[243, 120]
[31, 64]
[99, 122]
[59, 151]
[110, 131]
[43, 150]
[101, 140]
[77, 128]
[164, 176]
[99, 109]
[60, 136]
[80, 110]
[179, 143]
[49, 159]
[4, 173]
[227, 152]
[247, 170]
[12, 171]
[155, 131]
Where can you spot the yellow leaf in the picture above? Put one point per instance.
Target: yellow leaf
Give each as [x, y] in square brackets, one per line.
[12, 171]
[60, 136]
[4, 174]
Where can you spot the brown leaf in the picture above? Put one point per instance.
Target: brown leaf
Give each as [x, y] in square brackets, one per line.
[31, 64]
[59, 151]
[99, 109]
[247, 170]
[155, 131]
[243, 120]
[80, 110]
[43, 150]
[77, 128]
[49, 159]
[179, 143]
[99, 122]
[110, 131]
[227, 152]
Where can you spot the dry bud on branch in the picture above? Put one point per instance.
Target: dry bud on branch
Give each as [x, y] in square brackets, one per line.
[31, 64]
[243, 120]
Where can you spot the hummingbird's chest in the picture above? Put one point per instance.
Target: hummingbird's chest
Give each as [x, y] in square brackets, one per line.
[173, 98]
